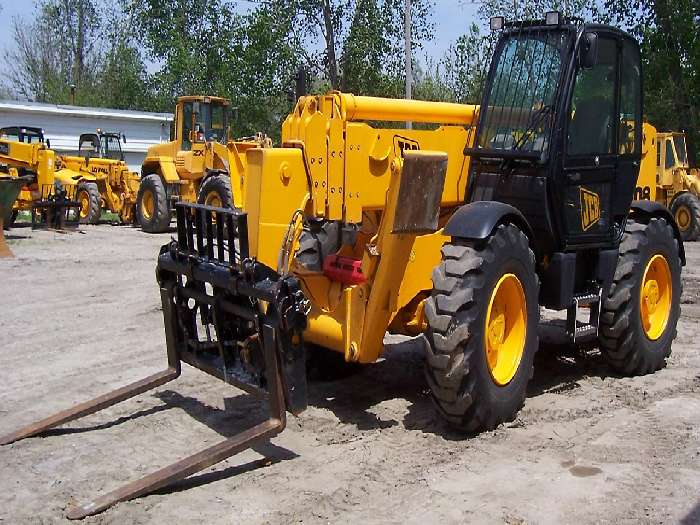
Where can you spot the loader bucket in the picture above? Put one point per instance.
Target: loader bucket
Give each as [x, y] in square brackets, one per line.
[225, 314]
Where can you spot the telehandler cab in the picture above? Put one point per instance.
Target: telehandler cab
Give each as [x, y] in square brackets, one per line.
[200, 164]
[111, 185]
[522, 202]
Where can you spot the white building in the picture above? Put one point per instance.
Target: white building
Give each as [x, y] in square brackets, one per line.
[63, 125]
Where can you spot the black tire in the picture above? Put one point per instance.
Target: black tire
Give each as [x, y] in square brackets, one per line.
[155, 217]
[457, 369]
[89, 193]
[686, 212]
[623, 340]
[218, 185]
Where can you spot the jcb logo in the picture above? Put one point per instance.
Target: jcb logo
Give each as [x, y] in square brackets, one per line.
[402, 144]
[590, 209]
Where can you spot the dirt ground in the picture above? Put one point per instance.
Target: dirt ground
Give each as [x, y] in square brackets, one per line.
[80, 315]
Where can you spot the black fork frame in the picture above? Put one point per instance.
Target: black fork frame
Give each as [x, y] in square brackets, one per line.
[278, 328]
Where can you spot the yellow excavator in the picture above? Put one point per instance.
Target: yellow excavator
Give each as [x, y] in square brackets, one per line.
[108, 182]
[200, 164]
[666, 177]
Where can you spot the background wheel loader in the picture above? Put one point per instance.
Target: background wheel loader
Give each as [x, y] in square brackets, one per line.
[666, 177]
[49, 190]
[109, 183]
[460, 233]
[201, 164]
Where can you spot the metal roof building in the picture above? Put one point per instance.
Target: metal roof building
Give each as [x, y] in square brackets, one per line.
[63, 125]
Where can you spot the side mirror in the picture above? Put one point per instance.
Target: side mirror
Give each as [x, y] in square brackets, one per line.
[48, 144]
[123, 138]
[588, 51]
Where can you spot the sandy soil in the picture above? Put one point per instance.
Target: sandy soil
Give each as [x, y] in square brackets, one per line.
[80, 316]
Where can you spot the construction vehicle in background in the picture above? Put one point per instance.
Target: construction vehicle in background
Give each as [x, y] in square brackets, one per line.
[108, 183]
[49, 190]
[666, 177]
[200, 163]
[460, 233]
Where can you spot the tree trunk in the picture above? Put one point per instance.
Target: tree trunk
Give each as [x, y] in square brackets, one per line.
[330, 44]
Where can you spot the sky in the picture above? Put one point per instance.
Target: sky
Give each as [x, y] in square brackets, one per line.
[451, 18]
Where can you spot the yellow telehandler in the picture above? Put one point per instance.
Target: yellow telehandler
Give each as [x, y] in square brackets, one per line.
[666, 177]
[201, 164]
[49, 190]
[458, 233]
[109, 184]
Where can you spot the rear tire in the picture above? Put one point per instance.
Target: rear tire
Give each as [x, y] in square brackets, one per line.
[686, 212]
[634, 338]
[216, 191]
[462, 365]
[152, 207]
[88, 195]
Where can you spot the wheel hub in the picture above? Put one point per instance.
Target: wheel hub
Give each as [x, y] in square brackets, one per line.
[683, 218]
[655, 297]
[84, 200]
[505, 329]
[147, 205]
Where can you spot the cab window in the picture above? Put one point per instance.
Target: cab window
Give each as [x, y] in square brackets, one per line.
[592, 124]
[186, 126]
[630, 118]
[111, 147]
[89, 147]
[670, 157]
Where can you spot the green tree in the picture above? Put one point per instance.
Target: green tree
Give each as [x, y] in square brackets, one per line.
[669, 32]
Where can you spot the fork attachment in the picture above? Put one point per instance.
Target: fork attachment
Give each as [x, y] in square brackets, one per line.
[226, 314]
[56, 209]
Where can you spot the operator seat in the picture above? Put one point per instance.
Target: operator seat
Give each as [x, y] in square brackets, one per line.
[591, 127]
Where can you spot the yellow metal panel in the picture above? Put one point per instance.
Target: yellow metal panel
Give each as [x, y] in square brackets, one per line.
[275, 187]
[374, 108]
[336, 169]
[168, 171]
[646, 182]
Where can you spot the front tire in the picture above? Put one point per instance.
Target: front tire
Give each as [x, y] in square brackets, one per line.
[152, 207]
[216, 191]
[686, 212]
[88, 195]
[482, 329]
[639, 316]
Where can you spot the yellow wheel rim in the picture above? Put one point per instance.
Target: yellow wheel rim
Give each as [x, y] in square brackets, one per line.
[683, 218]
[84, 200]
[148, 205]
[655, 297]
[505, 329]
[213, 199]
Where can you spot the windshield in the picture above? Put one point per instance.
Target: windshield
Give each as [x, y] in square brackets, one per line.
[679, 143]
[522, 93]
[89, 146]
[212, 120]
[111, 147]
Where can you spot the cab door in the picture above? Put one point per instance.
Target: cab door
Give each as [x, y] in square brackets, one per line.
[603, 144]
